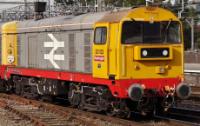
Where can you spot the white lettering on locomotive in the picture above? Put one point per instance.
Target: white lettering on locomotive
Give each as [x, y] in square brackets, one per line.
[52, 56]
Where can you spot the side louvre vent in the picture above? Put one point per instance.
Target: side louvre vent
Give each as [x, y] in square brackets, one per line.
[72, 55]
[87, 52]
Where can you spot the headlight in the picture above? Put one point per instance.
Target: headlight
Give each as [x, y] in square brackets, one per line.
[144, 53]
[10, 59]
[165, 52]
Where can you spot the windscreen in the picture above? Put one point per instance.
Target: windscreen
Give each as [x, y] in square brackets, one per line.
[148, 32]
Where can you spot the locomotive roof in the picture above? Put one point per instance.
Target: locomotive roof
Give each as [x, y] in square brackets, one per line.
[86, 21]
[113, 16]
[140, 14]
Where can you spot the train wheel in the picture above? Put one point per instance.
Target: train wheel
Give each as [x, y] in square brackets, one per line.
[2, 86]
[47, 98]
[74, 96]
[110, 112]
[119, 109]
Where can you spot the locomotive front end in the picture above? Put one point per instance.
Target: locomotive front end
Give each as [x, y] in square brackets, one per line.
[141, 52]
[152, 52]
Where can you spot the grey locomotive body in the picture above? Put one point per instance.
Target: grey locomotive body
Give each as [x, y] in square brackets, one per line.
[61, 43]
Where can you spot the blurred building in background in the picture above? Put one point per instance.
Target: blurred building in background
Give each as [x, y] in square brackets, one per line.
[24, 9]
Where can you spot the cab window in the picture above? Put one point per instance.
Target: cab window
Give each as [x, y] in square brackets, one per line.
[100, 35]
[146, 32]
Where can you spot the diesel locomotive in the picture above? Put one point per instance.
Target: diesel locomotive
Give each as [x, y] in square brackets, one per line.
[114, 62]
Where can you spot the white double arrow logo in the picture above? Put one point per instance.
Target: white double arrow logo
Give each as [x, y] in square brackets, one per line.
[52, 56]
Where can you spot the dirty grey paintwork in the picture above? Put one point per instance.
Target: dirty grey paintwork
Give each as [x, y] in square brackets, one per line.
[75, 31]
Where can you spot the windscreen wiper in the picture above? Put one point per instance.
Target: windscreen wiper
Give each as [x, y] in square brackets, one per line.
[166, 29]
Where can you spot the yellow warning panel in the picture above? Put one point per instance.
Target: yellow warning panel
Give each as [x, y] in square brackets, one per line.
[9, 43]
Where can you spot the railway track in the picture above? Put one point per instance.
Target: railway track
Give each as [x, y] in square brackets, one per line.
[181, 115]
[33, 114]
[18, 111]
[25, 112]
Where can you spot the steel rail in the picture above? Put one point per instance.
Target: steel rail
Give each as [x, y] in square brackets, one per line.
[181, 122]
[83, 117]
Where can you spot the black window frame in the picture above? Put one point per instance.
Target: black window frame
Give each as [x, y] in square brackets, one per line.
[100, 43]
[122, 35]
[142, 28]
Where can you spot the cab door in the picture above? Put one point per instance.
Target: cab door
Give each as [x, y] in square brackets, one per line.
[100, 50]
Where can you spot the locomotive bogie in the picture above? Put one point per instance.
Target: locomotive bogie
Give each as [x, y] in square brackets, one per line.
[36, 87]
